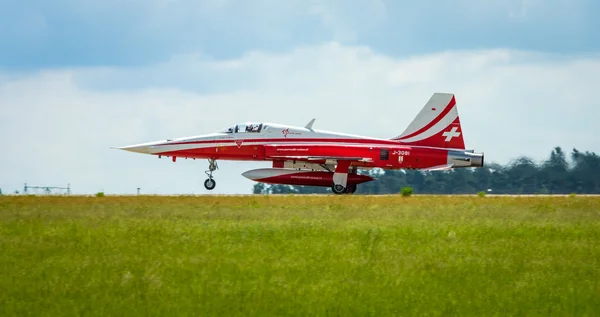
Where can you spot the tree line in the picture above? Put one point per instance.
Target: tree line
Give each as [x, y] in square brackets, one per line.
[580, 173]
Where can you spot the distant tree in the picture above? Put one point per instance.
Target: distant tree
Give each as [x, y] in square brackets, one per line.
[259, 188]
[585, 175]
[555, 172]
[482, 178]
[523, 173]
[416, 179]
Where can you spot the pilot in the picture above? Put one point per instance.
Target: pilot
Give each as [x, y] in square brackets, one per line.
[249, 128]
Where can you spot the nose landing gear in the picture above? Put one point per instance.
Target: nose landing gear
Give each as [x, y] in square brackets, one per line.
[210, 182]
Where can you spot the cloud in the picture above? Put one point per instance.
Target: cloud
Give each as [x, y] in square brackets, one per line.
[341, 19]
[37, 34]
[56, 126]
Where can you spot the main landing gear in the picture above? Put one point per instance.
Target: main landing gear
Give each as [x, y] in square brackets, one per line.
[340, 179]
[340, 189]
[210, 182]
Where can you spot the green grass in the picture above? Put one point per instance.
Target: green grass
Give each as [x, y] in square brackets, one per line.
[300, 256]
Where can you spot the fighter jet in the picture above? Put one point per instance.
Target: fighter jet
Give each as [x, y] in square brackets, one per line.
[312, 157]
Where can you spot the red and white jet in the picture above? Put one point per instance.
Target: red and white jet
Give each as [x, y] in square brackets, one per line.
[307, 156]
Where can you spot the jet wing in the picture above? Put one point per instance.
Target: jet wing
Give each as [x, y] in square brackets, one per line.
[318, 152]
[319, 158]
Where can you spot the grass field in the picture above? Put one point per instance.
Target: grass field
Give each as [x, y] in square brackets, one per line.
[300, 256]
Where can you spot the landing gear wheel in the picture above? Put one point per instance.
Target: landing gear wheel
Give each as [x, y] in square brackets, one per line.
[338, 189]
[210, 184]
[351, 189]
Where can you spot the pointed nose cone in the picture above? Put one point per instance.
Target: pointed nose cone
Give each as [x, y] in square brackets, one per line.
[144, 149]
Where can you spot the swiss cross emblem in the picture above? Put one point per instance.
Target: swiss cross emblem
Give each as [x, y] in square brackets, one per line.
[239, 143]
[451, 134]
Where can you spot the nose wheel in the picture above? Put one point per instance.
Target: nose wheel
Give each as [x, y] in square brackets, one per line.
[210, 182]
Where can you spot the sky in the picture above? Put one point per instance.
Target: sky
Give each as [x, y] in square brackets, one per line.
[80, 76]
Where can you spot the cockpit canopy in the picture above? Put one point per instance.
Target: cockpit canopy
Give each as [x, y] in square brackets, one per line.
[248, 127]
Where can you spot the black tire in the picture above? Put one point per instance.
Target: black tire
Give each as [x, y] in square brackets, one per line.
[210, 184]
[338, 189]
[351, 189]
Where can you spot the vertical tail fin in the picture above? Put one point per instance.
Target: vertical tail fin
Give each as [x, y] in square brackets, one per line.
[437, 125]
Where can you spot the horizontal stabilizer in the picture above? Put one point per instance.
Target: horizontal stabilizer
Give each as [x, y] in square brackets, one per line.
[439, 168]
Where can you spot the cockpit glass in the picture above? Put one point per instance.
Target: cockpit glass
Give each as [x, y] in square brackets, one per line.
[249, 128]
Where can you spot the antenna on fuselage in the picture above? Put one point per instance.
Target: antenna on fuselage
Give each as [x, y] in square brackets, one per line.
[310, 124]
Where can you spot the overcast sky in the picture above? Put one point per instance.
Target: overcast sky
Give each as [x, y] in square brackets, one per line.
[77, 77]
